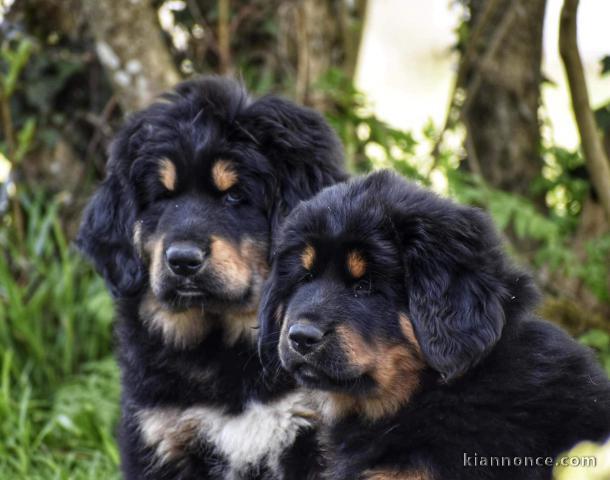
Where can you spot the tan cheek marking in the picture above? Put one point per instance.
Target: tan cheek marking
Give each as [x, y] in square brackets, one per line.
[356, 264]
[241, 268]
[394, 367]
[397, 376]
[308, 257]
[167, 174]
[223, 175]
[356, 350]
[229, 264]
[256, 254]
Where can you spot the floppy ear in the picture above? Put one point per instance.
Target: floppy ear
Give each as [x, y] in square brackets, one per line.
[270, 316]
[458, 282]
[303, 149]
[106, 237]
[106, 232]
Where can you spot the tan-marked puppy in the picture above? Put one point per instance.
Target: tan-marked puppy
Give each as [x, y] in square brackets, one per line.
[182, 230]
[401, 309]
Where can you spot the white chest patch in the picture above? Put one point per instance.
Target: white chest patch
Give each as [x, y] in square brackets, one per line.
[261, 433]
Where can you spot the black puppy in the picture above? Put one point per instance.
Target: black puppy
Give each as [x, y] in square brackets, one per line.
[404, 309]
[181, 230]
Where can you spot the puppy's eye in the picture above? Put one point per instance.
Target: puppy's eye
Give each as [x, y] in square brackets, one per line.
[308, 277]
[361, 288]
[234, 197]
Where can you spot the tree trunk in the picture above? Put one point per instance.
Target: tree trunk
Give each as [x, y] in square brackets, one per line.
[502, 86]
[315, 36]
[591, 140]
[129, 45]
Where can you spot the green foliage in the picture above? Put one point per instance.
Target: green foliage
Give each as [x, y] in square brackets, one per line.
[44, 85]
[600, 341]
[362, 132]
[371, 144]
[58, 384]
[14, 59]
[602, 114]
[564, 183]
[605, 63]
[602, 117]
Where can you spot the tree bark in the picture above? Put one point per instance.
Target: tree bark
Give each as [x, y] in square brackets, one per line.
[315, 36]
[595, 157]
[129, 45]
[224, 36]
[502, 87]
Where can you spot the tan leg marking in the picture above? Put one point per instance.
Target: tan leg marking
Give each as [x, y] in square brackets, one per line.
[262, 431]
[169, 431]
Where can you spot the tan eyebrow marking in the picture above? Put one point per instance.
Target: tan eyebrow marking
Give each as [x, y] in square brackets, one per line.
[356, 264]
[308, 256]
[223, 175]
[167, 173]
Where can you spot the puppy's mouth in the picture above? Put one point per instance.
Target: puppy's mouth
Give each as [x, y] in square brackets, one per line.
[192, 293]
[189, 291]
[313, 377]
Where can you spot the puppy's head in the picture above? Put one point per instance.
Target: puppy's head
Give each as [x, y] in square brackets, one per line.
[195, 186]
[376, 280]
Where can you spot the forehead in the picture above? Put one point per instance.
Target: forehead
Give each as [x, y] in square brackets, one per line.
[223, 173]
[171, 173]
[194, 144]
[357, 257]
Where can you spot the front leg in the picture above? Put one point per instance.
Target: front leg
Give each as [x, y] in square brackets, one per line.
[390, 474]
[171, 432]
[258, 439]
[147, 453]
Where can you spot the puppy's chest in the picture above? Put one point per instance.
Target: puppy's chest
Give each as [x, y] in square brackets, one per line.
[252, 440]
[353, 448]
[212, 371]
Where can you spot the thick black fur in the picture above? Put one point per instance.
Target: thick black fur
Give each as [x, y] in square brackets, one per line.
[283, 154]
[496, 380]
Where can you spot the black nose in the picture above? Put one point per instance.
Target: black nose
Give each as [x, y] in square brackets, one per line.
[304, 337]
[184, 258]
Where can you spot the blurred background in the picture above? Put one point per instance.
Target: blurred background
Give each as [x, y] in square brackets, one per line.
[467, 97]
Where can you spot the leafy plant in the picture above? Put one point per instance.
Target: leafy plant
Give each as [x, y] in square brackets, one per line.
[368, 141]
[58, 384]
[600, 341]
